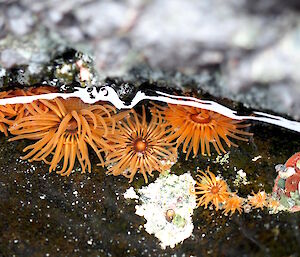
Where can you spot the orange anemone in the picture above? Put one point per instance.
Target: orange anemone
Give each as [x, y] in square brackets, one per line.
[64, 132]
[233, 203]
[273, 203]
[140, 147]
[258, 200]
[210, 189]
[197, 128]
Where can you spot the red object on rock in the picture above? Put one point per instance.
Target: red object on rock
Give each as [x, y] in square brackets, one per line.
[291, 183]
[292, 162]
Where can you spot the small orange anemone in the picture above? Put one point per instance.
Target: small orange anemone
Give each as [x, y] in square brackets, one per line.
[64, 132]
[140, 147]
[273, 203]
[258, 200]
[233, 203]
[210, 189]
[197, 128]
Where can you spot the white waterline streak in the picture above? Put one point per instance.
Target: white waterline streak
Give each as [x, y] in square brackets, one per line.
[106, 93]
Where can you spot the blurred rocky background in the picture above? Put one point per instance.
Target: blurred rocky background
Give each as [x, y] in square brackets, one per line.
[249, 48]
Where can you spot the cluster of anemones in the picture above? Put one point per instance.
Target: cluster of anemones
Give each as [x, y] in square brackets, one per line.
[212, 190]
[125, 142]
[64, 129]
[144, 147]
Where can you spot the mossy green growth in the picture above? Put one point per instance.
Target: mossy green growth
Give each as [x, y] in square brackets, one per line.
[179, 221]
[296, 197]
[284, 201]
[66, 72]
[281, 183]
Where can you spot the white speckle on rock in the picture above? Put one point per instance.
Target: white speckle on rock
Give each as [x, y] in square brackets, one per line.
[256, 158]
[241, 178]
[42, 197]
[130, 194]
[242, 173]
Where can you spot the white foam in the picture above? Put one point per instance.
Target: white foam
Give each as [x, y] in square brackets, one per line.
[107, 93]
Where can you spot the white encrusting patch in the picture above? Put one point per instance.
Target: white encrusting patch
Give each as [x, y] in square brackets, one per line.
[169, 194]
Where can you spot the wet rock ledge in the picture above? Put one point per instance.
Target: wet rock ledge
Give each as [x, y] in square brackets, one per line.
[46, 214]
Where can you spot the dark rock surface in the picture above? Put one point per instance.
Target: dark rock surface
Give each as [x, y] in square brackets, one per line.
[45, 214]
